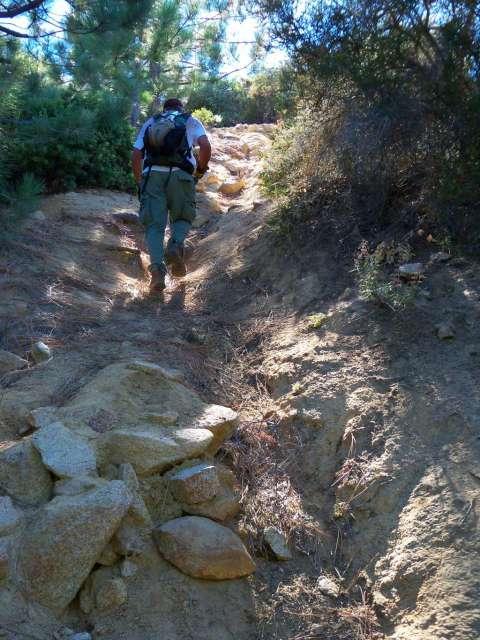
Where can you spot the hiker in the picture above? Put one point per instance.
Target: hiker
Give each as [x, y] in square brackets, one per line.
[166, 172]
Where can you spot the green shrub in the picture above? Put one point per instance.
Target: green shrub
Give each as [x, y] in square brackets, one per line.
[67, 139]
[207, 117]
[20, 201]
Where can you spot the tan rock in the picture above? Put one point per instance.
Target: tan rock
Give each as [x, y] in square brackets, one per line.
[65, 541]
[158, 498]
[106, 403]
[203, 549]
[63, 452]
[277, 543]
[104, 590]
[221, 421]
[328, 586]
[198, 483]
[233, 187]
[224, 506]
[151, 450]
[22, 474]
[41, 352]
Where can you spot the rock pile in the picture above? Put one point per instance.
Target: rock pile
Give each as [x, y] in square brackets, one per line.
[128, 460]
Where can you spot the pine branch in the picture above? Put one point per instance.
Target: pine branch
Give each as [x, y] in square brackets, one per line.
[15, 11]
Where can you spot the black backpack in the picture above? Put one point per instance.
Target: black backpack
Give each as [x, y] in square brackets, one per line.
[166, 142]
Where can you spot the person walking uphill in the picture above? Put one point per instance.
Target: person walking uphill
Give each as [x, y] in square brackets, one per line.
[166, 172]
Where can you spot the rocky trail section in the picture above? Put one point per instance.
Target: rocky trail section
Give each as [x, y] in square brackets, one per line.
[112, 505]
[355, 433]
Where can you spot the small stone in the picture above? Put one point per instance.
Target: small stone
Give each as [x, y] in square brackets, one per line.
[9, 516]
[328, 587]
[40, 352]
[39, 216]
[411, 270]
[84, 635]
[440, 256]
[108, 556]
[103, 590]
[11, 362]
[111, 595]
[277, 543]
[445, 330]
[63, 452]
[194, 484]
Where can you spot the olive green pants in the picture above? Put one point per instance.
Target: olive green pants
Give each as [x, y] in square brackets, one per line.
[166, 196]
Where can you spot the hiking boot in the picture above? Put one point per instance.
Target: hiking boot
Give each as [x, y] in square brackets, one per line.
[175, 258]
[157, 282]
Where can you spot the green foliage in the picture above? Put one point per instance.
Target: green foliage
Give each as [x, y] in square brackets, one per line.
[207, 117]
[20, 201]
[405, 78]
[375, 285]
[317, 321]
[71, 140]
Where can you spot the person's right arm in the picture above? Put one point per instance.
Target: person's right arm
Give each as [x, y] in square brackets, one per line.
[204, 154]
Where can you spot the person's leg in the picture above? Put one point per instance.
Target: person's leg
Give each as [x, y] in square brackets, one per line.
[153, 216]
[182, 209]
[179, 231]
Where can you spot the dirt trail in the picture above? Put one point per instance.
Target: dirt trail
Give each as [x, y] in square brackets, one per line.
[358, 435]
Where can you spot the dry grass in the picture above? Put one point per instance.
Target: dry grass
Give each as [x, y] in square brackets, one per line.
[361, 618]
[300, 611]
[264, 466]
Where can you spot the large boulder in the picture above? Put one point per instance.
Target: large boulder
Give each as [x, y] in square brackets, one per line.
[160, 401]
[63, 543]
[22, 474]
[153, 449]
[203, 549]
[64, 453]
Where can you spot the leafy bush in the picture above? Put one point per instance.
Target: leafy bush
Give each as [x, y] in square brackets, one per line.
[20, 201]
[406, 82]
[205, 116]
[68, 139]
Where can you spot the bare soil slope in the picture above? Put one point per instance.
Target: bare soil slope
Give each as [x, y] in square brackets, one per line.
[359, 434]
